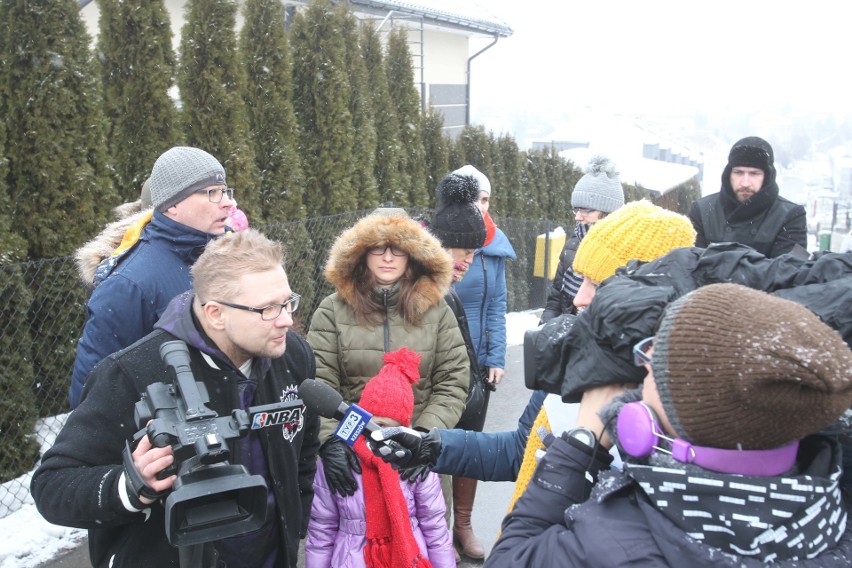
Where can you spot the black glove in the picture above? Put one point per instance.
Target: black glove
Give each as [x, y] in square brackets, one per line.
[339, 460]
[409, 448]
[412, 474]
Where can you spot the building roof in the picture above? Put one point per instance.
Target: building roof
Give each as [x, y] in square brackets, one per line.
[444, 13]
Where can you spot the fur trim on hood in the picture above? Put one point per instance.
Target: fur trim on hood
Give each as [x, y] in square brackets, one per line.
[90, 255]
[399, 231]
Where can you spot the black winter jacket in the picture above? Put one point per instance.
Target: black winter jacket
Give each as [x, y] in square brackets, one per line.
[77, 482]
[767, 222]
[597, 349]
[558, 301]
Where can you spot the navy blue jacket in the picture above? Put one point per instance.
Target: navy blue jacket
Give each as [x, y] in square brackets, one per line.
[124, 307]
[483, 295]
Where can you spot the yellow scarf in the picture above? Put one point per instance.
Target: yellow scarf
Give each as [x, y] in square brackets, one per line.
[534, 444]
[131, 234]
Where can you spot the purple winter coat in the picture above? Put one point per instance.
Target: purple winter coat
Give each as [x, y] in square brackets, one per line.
[337, 529]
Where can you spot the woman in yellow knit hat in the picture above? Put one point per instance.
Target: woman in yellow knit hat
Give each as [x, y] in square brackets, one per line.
[638, 231]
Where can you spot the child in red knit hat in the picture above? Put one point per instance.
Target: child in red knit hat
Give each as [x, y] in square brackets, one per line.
[387, 523]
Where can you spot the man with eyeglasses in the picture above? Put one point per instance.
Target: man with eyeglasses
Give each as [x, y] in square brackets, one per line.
[236, 323]
[191, 204]
[597, 194]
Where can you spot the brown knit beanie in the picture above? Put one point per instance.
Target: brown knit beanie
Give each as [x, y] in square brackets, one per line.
[738, 368]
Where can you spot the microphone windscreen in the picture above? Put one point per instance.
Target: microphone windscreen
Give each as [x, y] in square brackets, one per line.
[319, 397]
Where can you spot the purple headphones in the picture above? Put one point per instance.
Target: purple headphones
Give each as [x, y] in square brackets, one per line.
[639, 434]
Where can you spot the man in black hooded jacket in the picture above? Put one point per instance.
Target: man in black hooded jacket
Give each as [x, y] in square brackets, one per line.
[748, 209]
[236, 325]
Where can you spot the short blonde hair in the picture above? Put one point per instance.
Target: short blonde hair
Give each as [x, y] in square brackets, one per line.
[224, 260]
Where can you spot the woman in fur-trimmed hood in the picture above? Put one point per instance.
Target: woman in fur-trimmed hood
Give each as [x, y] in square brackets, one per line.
[391, 276]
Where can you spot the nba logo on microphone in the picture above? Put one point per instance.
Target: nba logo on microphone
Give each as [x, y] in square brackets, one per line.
[352, 424]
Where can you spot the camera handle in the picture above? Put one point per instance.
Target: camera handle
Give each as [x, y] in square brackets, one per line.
[137, 484]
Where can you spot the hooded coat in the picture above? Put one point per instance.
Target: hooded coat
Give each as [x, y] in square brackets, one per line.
[125, 306]
[767, 222]
[349, 353]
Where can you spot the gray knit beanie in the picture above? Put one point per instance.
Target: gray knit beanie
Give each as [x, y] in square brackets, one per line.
[599, 189]
[180, 172]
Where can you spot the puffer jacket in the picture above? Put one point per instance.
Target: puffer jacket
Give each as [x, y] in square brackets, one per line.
[349, 353]
[638, 517]
[483, 295]
[338, 525]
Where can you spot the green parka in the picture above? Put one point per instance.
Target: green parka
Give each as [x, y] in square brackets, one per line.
[349, 353]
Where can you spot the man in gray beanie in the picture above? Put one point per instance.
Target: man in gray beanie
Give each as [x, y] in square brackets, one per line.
[191, 204]
[597, 194]
[748, 209]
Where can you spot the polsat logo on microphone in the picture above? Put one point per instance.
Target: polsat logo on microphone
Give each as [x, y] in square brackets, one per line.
[352, 424]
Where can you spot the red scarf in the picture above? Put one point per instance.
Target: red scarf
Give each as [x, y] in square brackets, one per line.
[490, 228]
[390, 540]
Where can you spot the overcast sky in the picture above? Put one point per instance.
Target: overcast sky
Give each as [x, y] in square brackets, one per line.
[668, 55]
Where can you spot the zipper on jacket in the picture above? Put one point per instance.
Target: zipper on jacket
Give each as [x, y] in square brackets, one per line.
[483, 330]
[387, 323]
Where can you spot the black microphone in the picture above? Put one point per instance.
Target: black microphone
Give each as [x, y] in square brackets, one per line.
[327, 402]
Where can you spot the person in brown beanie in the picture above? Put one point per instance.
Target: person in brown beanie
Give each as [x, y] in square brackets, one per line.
[726, 462]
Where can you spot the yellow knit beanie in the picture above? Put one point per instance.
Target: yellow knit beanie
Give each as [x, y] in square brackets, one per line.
[638, 230]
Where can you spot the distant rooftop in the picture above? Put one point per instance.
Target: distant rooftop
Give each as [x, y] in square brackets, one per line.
[464, 16]
[650, 174]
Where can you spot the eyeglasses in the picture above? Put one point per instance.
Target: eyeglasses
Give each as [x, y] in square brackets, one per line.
[215, 195]
[270, 312]
[582, 210]
[640, 352]
[380, 251]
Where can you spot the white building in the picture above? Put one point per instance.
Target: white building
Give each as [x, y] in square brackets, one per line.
[445, 38]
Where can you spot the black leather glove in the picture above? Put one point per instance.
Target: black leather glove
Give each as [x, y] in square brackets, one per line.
[409, 448]
[412, 474]
[339, 460]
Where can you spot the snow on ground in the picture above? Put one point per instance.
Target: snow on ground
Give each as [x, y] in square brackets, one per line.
[27, 540]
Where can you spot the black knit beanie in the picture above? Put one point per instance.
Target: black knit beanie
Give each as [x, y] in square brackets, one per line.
[752, 152]
[737, 368]
[457, 222]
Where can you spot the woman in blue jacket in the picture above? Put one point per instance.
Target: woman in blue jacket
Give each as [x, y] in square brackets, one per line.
[483, 295]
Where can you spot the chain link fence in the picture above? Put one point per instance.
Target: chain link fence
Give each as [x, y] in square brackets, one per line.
[43, 304]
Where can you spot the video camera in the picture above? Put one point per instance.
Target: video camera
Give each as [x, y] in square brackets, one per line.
[544, 365]
[211, 499]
